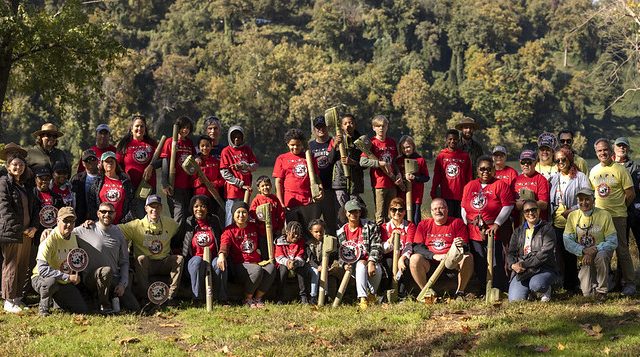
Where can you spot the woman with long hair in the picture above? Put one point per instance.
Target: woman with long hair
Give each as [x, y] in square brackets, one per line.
[113, 186]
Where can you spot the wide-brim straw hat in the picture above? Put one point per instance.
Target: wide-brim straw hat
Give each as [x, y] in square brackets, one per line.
[12, 149]
[467, 121]
[47, 128]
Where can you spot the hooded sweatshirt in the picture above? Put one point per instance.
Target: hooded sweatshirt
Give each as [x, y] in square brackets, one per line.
[236, 164]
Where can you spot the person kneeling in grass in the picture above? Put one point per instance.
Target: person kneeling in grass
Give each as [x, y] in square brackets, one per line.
[531, 256]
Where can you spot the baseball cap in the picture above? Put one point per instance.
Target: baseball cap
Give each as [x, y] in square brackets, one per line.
[66, 212]
[585, 191]
[107, 155]
[153, 199]
[319, 122]
[499, 148]
[89, 154]
[60, 167]
[528, 155]
[622, 140]
[352, 205]
[41, 170]
[102, 127]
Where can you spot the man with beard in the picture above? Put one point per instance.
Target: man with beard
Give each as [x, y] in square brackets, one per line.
[467, 126]
[451, 172]
[108, 271]
[614, 193]
[45, 152]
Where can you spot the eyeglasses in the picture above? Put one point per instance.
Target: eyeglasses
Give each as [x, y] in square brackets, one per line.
[484, 169]
[526, 162]
[105, 211]
[566, 141]
[396, 209]
[90, 159]
[530, 210]
[563, 160]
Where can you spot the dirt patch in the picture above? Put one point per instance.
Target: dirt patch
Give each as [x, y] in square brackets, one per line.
[164, 325]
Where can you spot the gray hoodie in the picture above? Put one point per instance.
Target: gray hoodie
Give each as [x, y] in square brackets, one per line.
[227, 174]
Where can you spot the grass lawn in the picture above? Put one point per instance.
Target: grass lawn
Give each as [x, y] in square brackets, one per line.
[571, 327]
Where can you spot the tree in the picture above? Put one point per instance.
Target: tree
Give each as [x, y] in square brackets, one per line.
[57, 54]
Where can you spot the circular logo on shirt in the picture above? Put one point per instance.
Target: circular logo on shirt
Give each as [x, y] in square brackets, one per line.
[113, 195]
[323, 162]
[78, 259]
[300, 170]
[158, 292]
[439, 244]
[155, 247]
[386, 157]
[453, 169]
[203, 239]
[603, 190]
[141, 155]
[587, 240]
[64, 267]
[349, 252]
[247, 246]
[479, 201]
[48, 216]
[181, 158]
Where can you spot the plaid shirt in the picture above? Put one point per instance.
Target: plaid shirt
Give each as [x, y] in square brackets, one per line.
[371, 239]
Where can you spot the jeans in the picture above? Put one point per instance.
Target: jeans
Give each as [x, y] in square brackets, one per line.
[364, 284]
[519, 289]
[197, 269]
[314, 274]
[228, 218]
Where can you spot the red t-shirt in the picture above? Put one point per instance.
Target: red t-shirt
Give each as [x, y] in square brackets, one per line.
[356, 236]
[452, 171]
[64, 192]
[203, 231]
[440, 238]
[407, 232]
[292, 171]
[486, 202]
[112, 191]
[291, 250]
[48, 213]
[210, 166]
[417, 188]
[136, 158]
[98, 152]
[508, 175]
[241, 243]
[385, 151]
[538, 184]
[184, 148]
[230, 156]
[277, 213]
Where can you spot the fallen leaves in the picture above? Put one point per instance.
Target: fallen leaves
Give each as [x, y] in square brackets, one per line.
[594, 331]
[170, 325]
[128, 340]
[561, 347]
[81, 320]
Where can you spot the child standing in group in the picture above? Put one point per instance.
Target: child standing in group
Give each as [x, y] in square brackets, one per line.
[383, 174]
[277, 211]
[61, 185]
[407, 150]
[179, 195]
[290, 259]
[237, 162]
[210, 166]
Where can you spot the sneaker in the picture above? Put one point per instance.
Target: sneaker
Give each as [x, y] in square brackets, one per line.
[259, 303]
[304, 300]
[18, 301]
[105, 310]
[372, 298]
[546, 296]
[600, 297]
[44, 312]
[364, 304]
[250, 303]
[313, 300]
[12, 308]
[629, 290]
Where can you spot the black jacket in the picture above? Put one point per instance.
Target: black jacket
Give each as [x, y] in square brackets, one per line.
[188, 228]
[94, 198]
[541, 258]
[78, 187]
[12, 211]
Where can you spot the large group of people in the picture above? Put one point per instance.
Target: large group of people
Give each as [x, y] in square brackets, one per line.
[554, 224]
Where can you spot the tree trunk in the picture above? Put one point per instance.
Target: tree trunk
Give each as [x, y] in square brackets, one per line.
[6, 52]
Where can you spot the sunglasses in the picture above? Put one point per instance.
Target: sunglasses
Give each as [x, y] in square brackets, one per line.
[69, 221]
[530, 210]
[49, 135]
[91, 159]
[566, 141]
[557, 161]
[398, 209]
[484, 169]
[106, 211]
[526, 162]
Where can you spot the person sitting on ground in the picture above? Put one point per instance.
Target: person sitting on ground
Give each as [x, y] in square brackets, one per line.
[437, 239]
[240, 253]
[531, 256]
[290, 260]
[203, 226]
[52, 277]
[591, 236]
[397, 223]
[151, 238]
[363, 236]
[107, 273]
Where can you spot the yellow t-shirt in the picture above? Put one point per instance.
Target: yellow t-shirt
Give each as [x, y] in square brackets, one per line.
[546, 170]
[581, 164]
[150, 239]
[54, 251]
[590, 230]
[609, 183]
